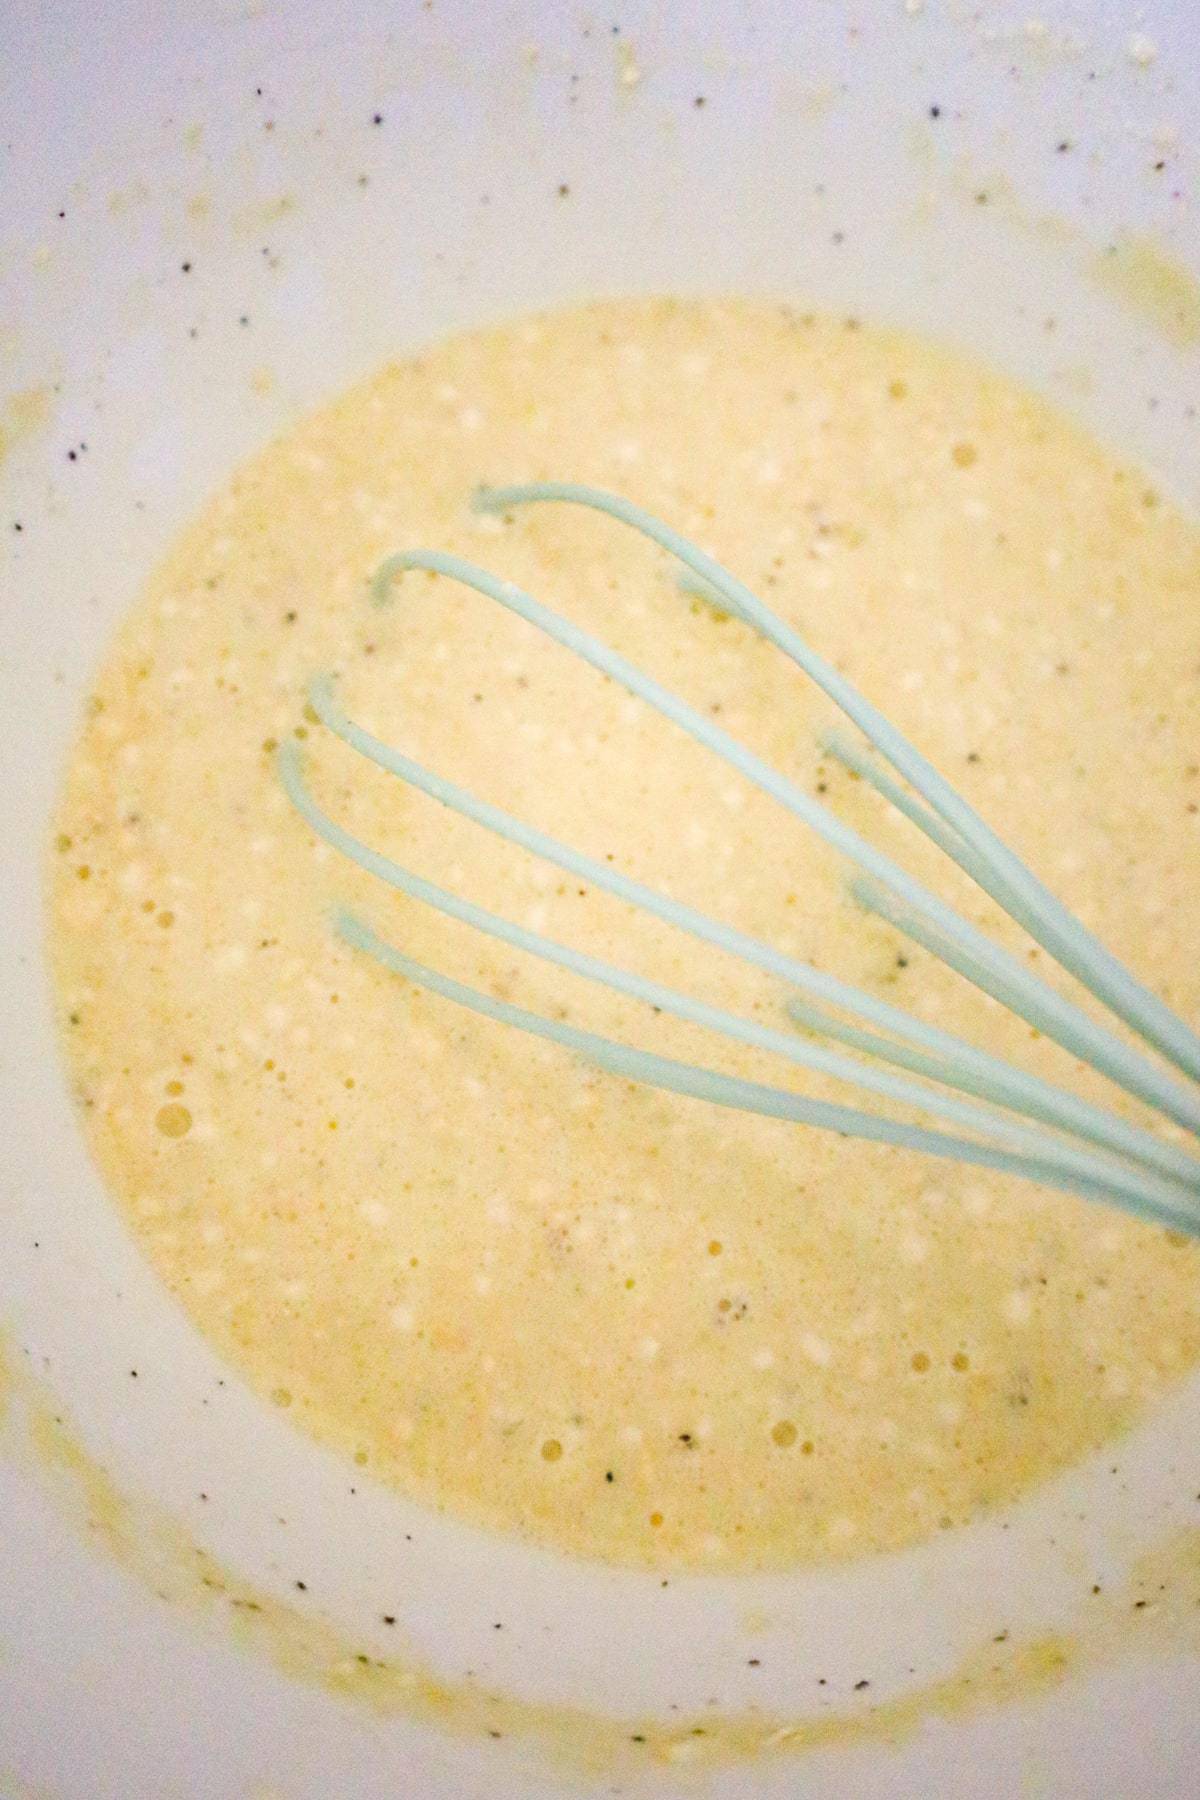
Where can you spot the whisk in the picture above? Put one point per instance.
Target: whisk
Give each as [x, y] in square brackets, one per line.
[1009, 1119]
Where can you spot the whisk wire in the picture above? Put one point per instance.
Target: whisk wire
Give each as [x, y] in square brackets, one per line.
[837, 745]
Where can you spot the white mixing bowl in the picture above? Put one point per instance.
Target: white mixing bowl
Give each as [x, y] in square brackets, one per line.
[216, 213]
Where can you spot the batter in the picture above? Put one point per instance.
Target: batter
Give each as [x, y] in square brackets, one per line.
[624, 1323]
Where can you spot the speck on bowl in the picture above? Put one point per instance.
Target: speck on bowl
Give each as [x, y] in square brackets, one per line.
[215, 215]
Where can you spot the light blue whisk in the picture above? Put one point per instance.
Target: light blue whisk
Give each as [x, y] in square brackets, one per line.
[1013, 1121]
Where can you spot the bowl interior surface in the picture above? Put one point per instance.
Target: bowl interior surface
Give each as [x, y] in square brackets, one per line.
[218, 215]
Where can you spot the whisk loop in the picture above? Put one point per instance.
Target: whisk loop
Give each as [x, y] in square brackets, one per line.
[1026, 1125]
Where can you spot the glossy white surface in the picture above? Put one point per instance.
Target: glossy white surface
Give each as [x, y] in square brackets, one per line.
[813, 170]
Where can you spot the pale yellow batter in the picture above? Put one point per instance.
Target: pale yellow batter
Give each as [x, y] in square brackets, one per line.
[629, 1324]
